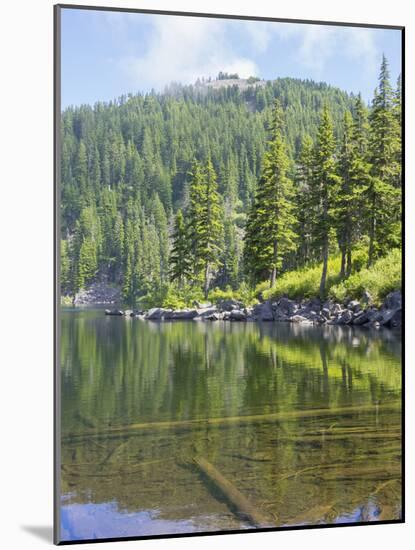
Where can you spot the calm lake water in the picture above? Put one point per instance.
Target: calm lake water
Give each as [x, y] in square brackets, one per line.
[304, 422]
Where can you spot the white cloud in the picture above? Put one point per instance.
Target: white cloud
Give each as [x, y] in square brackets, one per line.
[183, 49]
[318, 44]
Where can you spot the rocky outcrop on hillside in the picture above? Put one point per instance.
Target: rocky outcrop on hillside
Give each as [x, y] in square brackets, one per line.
[96, 294]
[308, 312]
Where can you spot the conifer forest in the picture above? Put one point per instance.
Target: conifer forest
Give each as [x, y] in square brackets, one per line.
[205, 191]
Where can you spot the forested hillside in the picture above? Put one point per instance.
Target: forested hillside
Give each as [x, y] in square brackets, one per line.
[200, 187]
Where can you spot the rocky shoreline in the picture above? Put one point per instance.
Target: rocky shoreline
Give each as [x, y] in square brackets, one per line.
[307, 312]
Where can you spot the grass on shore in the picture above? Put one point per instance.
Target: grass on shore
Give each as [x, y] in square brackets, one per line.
[383, 277]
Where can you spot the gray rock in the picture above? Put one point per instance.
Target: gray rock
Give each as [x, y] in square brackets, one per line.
[396, 321]
[229, 305]
[287, 306]
[156, 313]
[208, 311]
[354, 306]
[387, 315]
[325, 312]
[128, 313]
[263, 312]
[237, 315]
[360, 318]
[300, 319]
[212, 317]
[114, 312]
[137, 312]
[344, 318]
[336, 309]
[280, 316]
[182, 315]
[98, 293]
[373, 315]
[393, 300]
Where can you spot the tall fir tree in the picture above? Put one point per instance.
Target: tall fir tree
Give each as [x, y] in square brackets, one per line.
[324, 187]
[383, 196]
[270, 234]
[180, 263]
[211, 227]
[304, 175]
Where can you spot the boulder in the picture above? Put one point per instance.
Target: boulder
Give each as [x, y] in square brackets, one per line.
[396, 320]
[373, 315]
[207, 312]
[182, 315]
[229, 305]
[114, 312]
[360, 318]
[344, 318]
[393, 300]
[325, 312]
[237, 315]
[286, 306]
[336, 309]
[387, 315]
[263, 312]
[354, 306]
[315, 304]
[300, 319]
[280, 316]
[128, 313]
[156, 314]
[212, 317]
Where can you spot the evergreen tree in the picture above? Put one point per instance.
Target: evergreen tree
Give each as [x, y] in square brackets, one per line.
[269, 232]
[180, 267]
[211, 225]
[304, 175]
[324, 186]
[383, 196]
[65, 268]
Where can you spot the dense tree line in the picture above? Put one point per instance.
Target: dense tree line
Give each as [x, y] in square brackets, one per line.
[347, 190]
[206, 187]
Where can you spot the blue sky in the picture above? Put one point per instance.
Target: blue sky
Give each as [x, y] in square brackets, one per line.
[107, 54]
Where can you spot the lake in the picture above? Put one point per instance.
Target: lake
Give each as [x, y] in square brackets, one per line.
[304, 422]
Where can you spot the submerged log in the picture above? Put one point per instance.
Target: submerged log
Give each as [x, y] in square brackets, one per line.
[115, 453]
[233, 420]
[232, 494]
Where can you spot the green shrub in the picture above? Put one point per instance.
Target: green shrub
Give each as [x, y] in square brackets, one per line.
[302, 283]
[383, 277]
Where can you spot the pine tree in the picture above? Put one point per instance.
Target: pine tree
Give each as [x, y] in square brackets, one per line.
[324, 187]
[205, 223]
[269, 232]
[86, 246]
[211, 224]
[180, 267]
[304, 174]
[343, 200]
[383, 196]
[65, 268]
[87, 262]
[160, 221]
